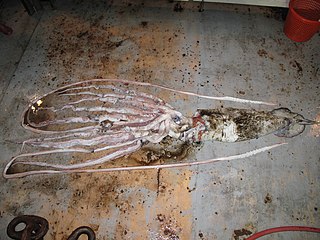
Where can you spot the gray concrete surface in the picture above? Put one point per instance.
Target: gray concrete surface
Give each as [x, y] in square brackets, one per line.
[228, 50]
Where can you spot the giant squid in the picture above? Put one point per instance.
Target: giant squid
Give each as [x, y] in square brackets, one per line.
[98, 118]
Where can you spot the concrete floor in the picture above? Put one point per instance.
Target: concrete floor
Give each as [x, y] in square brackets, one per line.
[238, 51]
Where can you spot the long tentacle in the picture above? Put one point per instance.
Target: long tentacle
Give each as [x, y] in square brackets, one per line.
[126, 149]
[226, 98]
[135, 168]
[110, 140]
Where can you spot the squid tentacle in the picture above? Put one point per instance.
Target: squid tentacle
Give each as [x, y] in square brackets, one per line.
[127, 149]
[137, 168]
[103, 139]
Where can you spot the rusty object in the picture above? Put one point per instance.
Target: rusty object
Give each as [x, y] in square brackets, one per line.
[35, 228]
[83, 230]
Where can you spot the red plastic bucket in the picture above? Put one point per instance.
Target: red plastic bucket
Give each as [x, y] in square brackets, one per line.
[303, 20]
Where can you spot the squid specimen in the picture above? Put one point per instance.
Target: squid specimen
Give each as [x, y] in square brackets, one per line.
[97, 118]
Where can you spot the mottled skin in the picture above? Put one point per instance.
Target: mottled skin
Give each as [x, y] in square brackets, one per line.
[235, 125]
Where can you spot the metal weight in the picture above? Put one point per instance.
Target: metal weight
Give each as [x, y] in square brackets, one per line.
[82, 231]
[35, 228]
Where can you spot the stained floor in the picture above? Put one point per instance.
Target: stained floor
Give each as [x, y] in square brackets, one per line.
[226, 50]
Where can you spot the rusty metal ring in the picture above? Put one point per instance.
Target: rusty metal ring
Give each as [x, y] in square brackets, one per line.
[35, 228]
[82, 230]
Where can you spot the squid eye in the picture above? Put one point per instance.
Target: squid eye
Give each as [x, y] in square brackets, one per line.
[176, 119]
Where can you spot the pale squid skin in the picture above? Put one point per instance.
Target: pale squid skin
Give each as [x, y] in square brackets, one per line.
[235, 125]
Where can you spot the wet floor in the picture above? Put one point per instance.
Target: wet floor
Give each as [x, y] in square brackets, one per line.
[226, 50]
